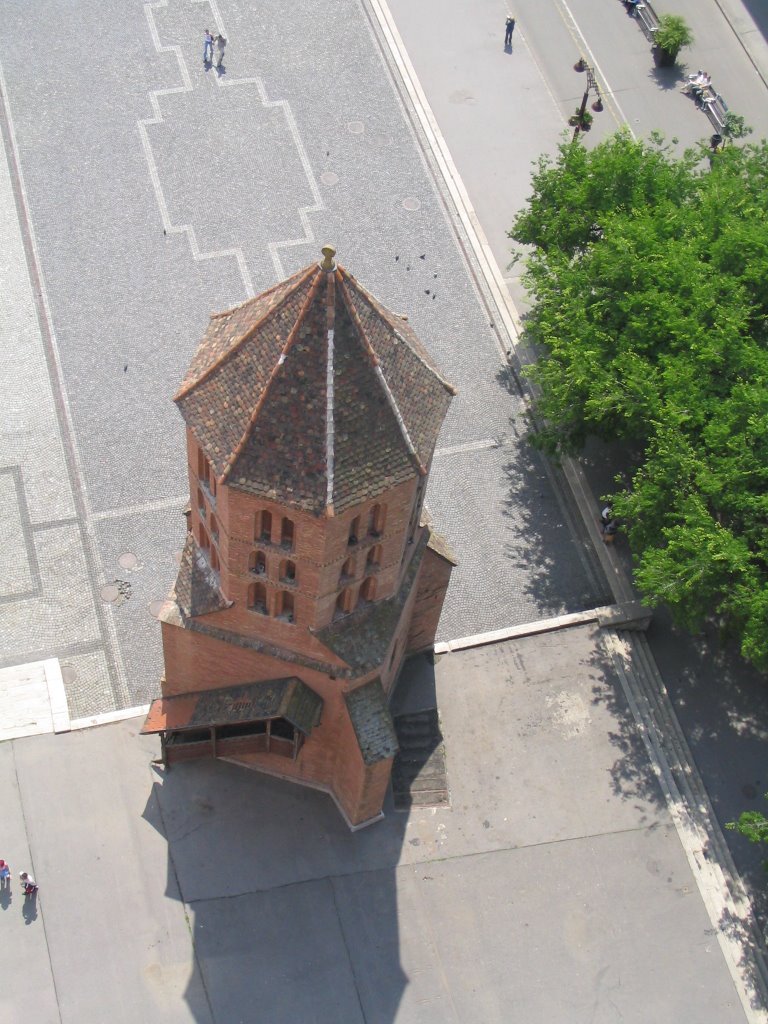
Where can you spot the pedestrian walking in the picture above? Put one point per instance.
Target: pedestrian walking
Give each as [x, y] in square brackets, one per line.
[5, 876]
[508, 34]
[221, 43]
[207, 47]
[28, 884]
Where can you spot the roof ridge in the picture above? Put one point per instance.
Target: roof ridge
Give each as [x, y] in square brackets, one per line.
[387, 314]
[291, 340]
[383, 380]
[185, 389]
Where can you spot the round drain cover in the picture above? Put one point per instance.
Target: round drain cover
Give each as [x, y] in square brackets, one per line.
[356, 127]
[109, 593]
[127, 560]
[411, 203]
[329, 178]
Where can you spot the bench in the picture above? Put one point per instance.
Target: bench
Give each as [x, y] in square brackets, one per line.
[649, 20]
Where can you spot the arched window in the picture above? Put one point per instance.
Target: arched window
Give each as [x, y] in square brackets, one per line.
[287, 571]
[201, 504]
[368, 589]
[203, 540]
[214, 528]
[354, 530]
[376, 520]
[345, 602]
[348, 570]
[202, 465]
[262, 529]
[286, 533]
[257, 563]
[373, 561]
[285, 605]
[257, 598]
[211, 480]
[215, 563]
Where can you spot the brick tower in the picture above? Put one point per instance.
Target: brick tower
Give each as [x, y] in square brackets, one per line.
[309, 571]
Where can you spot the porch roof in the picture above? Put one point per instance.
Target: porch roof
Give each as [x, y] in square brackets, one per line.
[287, 698]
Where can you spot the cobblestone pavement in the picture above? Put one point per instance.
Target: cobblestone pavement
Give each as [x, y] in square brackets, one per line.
[141, 193]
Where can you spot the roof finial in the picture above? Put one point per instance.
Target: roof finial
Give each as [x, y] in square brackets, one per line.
[328, 253]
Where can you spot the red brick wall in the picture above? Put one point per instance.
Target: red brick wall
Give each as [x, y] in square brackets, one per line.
[431, 588]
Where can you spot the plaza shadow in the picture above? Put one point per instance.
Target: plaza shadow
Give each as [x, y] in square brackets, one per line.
[293, 917]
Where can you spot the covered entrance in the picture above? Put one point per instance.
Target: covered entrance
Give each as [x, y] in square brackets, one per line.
[272, 717]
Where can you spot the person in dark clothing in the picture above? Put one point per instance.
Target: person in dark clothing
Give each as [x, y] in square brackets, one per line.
[508, 33]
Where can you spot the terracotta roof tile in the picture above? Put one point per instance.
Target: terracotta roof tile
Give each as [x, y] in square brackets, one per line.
[197, 589]
[372, 722]
[314, 395]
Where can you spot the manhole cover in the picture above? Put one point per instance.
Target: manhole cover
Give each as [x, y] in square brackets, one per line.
[68, 673]
[127, 560]
[156, 607]
[411, 203]
[356, 127]
[329, 178]
[117, 592]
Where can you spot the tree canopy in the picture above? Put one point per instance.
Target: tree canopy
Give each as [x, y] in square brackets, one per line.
[650, 281]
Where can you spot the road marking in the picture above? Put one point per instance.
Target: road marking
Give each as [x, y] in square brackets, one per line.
[235, 252]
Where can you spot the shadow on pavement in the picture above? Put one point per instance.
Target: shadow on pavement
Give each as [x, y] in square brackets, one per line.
[293, 917]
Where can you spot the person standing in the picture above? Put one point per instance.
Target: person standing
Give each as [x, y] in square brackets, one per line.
[221, 43]
[5, 876]
[207, 47]
[508, 33]
[28, 884]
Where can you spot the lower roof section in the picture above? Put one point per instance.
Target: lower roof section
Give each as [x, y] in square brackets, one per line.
[288, 698]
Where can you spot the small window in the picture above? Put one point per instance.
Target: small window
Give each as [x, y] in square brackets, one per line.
[202, 465]
[204, 541]
[282, 728]
[287, 571]
[286, 534]
[201, 504]
[285, 605]
[376, 521]
[368, 589]
[238, 729]
[211, 481]
[348, 570]
[354, 530]
[257, 563]
[345, 601]
[214, 528]
[215, 563]
[257, 598]
[263, 526]
[373, 561]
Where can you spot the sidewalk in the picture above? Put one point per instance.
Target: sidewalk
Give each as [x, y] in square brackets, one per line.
[468, 81]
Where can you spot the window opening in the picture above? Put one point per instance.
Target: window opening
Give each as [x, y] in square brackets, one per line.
[257, 598]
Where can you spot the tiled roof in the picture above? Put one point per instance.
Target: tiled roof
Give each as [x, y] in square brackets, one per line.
[314, 395]
[197, 589]
[372, 722]
[288, 698]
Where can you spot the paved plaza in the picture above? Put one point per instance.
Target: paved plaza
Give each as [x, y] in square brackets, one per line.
[579, 873]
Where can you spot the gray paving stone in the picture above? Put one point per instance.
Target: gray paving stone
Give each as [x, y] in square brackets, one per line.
[199, 188]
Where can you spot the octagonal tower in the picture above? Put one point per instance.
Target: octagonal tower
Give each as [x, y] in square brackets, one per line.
[308, 572]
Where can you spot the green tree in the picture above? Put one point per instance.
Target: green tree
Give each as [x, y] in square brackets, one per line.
[650, 280]
[753, 825]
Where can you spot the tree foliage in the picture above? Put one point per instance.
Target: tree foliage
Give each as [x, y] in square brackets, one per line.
[753, 825]
[650, 279]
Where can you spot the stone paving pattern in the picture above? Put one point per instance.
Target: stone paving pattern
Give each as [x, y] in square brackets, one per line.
[249, 171]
